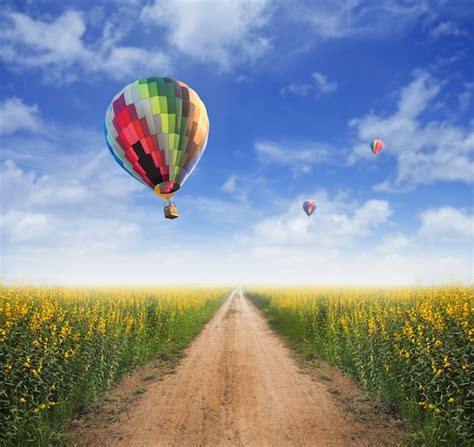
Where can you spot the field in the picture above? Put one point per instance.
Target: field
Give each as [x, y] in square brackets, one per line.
[412, 348]
[60, 348]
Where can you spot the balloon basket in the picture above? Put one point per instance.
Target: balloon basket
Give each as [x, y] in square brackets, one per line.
[171, 212]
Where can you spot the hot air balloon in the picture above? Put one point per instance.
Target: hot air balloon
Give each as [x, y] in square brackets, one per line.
[377, 146]
[309, 207]
[157, 130]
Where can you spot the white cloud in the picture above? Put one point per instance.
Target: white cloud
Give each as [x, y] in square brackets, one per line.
[297, 89]
[223, 33]
[23, 226]
[244, 79]
[81, 233]
[323, 84]
[74, 199]
[319, 85]
[27, 189]
[425, 152]
[244, 186]
[15, 115]
[447, 224]
[393, 243]
[87, 245]
[49, 42]
[415, 96]
[230, 185]
[123, 62]
[66, 182]
[465, 97]
[342, 18]
[63, 50]
[334, 247]
[336, 223]
[447, 28]
[300, 159]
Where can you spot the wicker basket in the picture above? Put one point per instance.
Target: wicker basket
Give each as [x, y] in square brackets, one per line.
[171, 212]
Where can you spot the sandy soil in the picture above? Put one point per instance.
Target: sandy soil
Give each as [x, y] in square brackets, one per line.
[239, 386]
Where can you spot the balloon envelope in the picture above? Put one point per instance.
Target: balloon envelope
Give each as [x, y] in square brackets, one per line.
[309, 207]
[377, 146]
[157, 130]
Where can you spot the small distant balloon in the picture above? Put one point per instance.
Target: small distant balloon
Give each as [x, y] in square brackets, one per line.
[377, 146]
[309, 207]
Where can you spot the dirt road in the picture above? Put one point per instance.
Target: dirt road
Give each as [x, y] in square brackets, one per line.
[238, 386]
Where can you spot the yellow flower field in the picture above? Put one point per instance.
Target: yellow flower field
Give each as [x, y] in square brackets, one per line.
[61, 347]
[411, 347]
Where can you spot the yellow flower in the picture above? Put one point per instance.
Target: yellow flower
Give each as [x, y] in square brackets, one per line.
[22, 400]
[372, 325]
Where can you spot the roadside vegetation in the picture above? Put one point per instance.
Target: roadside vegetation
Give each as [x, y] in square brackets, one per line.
[411, 348]
[61, 348]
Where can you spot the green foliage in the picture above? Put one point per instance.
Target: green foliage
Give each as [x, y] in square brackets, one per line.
[412, 348]
[61, 348]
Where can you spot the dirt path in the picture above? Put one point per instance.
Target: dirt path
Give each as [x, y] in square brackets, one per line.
[238, 386]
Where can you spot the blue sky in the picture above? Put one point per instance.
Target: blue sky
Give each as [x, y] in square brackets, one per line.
[295, 92]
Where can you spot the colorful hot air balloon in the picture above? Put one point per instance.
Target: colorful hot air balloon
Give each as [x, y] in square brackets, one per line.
[377, 146]
[309, 207]
[157, 130]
